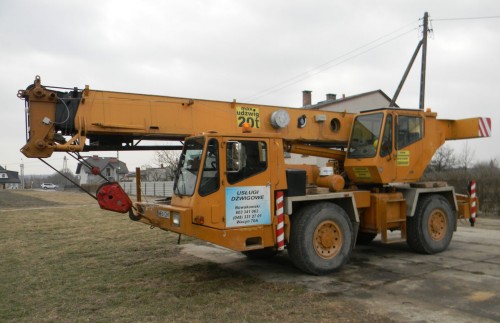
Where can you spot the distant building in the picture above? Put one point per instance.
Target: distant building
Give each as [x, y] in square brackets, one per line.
[153, 175]
[109, 167]
[158, 174]
[9, 179]
[353, 104]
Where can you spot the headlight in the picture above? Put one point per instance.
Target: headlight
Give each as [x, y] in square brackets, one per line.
[176, 219]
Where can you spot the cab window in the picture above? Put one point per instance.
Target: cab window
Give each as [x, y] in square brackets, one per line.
[210, 177]
[386, 144]
[253, 160]
[409, 130]
[189, 165]
[365, 135]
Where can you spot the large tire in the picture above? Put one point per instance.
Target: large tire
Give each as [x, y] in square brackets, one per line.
[321, 238]
[430, 230]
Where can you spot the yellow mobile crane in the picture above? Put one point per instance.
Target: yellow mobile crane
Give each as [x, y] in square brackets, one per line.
[233, 187]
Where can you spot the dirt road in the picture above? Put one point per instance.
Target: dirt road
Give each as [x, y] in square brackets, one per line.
[461, 284]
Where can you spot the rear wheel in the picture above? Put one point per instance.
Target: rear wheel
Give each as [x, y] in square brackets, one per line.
[320, 238]
[431, 228]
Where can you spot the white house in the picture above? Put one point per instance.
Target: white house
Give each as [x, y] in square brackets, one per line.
[352, 104]
[92, 167]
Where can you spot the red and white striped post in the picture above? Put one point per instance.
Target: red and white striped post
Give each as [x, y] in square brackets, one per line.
[473, 208]
[280, 228]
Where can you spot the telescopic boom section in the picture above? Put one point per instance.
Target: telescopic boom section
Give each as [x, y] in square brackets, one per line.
[84, 120]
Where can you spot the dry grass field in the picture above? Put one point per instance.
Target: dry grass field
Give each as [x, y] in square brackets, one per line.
[64, 259]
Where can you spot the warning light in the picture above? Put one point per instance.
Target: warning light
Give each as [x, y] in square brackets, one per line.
[246, 127]
[302, 121]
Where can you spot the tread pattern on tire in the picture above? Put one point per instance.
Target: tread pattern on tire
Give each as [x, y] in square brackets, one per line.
[416, 237]
[302, 254]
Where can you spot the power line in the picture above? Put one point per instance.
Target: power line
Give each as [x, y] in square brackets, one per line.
[466, 18]
[321, 68]
[327, 65]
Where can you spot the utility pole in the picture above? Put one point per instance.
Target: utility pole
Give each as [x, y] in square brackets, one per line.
[22, 174]
[424, 61]
[421, 44]
[65, 165]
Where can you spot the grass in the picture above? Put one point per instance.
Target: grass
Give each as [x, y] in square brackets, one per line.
[64, 259]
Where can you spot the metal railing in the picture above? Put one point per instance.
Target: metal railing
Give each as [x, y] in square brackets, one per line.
[163, 189]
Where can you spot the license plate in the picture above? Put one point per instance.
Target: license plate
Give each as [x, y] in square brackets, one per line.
[164, 214]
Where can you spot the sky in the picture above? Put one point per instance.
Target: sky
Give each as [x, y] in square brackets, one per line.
[255, 51]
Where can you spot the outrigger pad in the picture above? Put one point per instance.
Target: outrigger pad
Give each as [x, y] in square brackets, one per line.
[112, 197]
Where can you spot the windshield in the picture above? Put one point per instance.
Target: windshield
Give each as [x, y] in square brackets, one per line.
[365, 135]
[189, 166]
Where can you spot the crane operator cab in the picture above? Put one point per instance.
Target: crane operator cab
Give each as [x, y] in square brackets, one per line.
[244, 159]
[224, 183]
[386, 146]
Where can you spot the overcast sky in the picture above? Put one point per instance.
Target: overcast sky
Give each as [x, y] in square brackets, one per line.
[248, 50]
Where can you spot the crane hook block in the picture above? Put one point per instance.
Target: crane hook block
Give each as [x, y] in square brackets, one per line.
[112, 197]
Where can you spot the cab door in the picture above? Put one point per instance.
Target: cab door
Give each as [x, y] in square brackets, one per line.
[247, 185]
[209, 204]
[386, 152]
[409, 132]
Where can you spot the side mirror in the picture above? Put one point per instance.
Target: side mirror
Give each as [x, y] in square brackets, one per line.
[233, 157]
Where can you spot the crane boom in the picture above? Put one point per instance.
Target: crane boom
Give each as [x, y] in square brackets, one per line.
[117, 121]
[105, 120]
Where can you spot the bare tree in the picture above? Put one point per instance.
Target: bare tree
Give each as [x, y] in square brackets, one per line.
[466, 157]
[487, 176]
[146, 166]
[443, 159]
[167, 159]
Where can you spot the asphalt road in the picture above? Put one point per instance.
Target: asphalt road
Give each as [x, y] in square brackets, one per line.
[461, 284]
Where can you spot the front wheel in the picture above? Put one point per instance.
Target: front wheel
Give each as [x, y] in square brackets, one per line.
[430, 230]
[320, 238]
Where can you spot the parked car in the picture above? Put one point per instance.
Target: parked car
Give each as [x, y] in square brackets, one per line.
[50, 186]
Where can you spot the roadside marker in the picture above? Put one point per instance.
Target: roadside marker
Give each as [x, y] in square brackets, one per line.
[473, 209]
[280, 228]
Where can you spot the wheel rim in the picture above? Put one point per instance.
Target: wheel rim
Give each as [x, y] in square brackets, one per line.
[437, 225]
[328, 239]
